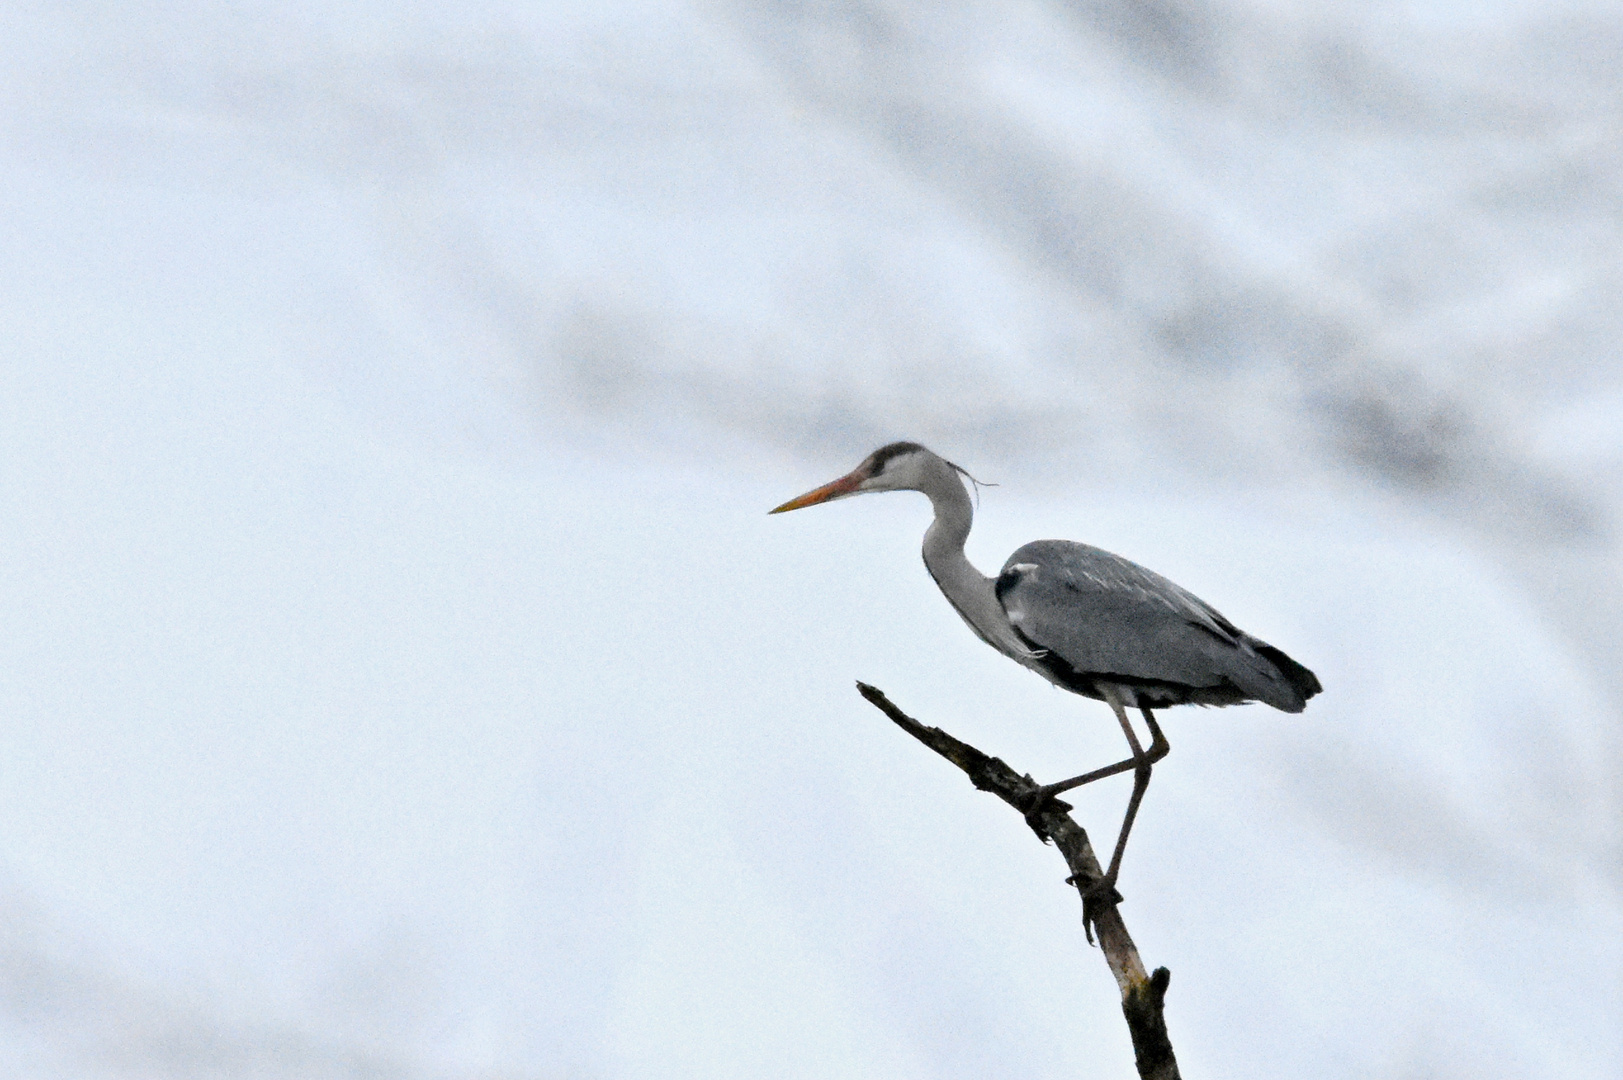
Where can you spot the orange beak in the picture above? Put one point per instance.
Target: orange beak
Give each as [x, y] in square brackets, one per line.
[845, 485]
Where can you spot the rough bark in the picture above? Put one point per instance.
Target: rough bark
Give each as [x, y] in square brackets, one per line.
[1143, 995]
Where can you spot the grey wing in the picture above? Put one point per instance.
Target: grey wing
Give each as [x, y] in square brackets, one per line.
[1102, 619]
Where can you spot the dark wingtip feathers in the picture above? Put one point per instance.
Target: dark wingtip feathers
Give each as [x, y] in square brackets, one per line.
[1301, 680]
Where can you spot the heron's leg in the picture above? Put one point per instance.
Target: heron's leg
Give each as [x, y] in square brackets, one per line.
[1048, 791]
[1141, 783]
[1142, 761]
[1159, 748]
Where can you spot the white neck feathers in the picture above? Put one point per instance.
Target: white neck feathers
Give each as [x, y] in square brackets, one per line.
[969, 591]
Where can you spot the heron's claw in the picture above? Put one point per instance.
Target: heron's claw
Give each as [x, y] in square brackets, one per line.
[1041, 799]
[1096, 897]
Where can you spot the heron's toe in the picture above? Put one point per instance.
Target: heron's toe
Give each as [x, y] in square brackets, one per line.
[1039, 802]
[1097, 895]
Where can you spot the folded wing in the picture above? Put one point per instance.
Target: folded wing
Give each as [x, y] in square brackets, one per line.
[1098, 618]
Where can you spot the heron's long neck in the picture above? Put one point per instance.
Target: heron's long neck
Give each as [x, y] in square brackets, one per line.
[944, 540]
[970, 591]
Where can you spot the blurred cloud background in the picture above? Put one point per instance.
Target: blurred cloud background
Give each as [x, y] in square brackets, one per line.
[400, 677]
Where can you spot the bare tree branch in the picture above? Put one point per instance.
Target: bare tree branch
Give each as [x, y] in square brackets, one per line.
[1142, 995]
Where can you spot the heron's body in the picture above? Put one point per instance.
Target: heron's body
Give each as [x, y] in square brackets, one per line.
[1089, 621]
[1099, 620]
[1084, 618]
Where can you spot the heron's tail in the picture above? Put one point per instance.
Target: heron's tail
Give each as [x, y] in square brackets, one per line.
[1301, 680]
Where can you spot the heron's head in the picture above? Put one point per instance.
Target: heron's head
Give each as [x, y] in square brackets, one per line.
[901, 466]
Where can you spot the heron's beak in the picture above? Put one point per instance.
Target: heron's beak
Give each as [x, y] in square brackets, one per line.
[845, 485]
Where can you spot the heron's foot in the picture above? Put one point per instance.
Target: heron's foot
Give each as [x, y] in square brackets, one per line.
[1097, 895]
[1038, 802]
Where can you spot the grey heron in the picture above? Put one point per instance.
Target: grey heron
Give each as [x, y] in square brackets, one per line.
[1086, 620]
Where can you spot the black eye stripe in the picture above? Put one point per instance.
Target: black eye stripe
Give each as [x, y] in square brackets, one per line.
[881, 457]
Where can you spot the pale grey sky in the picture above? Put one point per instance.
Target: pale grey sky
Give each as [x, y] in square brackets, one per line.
[402, 675]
